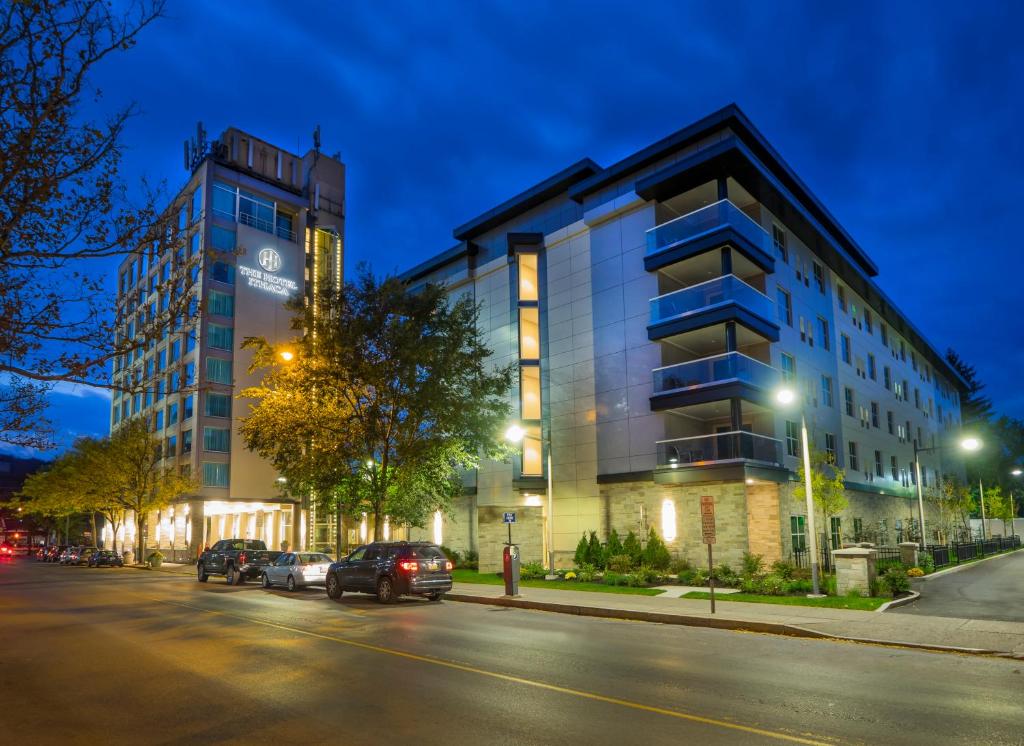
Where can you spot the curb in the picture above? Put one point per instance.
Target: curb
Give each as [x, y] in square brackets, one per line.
[771, 628]
[965, 566]
[914, 595]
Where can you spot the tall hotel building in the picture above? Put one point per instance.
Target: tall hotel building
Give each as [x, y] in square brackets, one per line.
[255, 225]
[653, 307]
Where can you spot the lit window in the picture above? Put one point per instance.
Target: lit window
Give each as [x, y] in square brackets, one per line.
[529, 384]
[215, 475]
[527, 277]
[533, 453]
[529, 334]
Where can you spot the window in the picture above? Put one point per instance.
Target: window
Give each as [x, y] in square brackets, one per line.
[186, 441]
[222, 239]
[879, 470]
[532, 453]
[889, 422]
[819, 278]
[186, 406]
[853, 463]
[884, 331]
[529, 392]
[826, 338]
[171, 448]
[872, 368]
[779, 241]
[895, 469]
[223, 272]
[255, 211]
[175, 352]
[219, 371]
[172, 414]
[529, 334]
[284, 226]
[158, 420]
[826, 391]
[221, 304]
[225, 198]
[220, 337]
[527, 263]
[917, 398]
[792, 438]
[788, 367]
[215, 475]
[836, 531]
[830, 447]
[844, 348]
[785, 306]
[218, 405]
[798, 532]
[848, 397]
[867, 321]
[197, 204]
[841, 295]
[216, 439]
[887, 378]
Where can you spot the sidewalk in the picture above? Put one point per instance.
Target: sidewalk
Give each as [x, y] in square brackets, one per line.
[943, 633]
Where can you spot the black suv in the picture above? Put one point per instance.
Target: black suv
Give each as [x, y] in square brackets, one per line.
[392, 569]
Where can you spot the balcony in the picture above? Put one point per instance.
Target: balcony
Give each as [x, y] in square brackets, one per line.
[703, 450]
[714, 378]
[718, 224]
[726, 298]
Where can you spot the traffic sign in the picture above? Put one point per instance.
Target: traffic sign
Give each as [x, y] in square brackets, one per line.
[508, 518]
[707, 519]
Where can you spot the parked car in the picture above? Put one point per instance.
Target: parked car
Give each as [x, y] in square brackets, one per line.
[6, 551]
[54, 551]
[80, 555]
[237, 560]
[392, 569]
[105, 558]
[297, 570]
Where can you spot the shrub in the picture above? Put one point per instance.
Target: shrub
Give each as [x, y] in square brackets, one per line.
[896, 581]
[644, 576]
[885, 565]
[586, 573]
[619, 563]
[752, 564]
[772, 585]
[595, 552]
[687, 576]
[631, 546]
[700, 576]
[656, 553]
[470, 560]
[915, 572]
[750, 585]
[828, 585]
[582, 556]
[450, 554]
[612, 547]
[785, 570]
[799, 586]
[569, 575]
[532, 571]
[927, 563]
[614, 578]
[724, 575]
[853, 593]
[676, 566]
[874, 587]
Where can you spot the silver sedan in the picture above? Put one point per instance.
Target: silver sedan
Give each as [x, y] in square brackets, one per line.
[297, 570]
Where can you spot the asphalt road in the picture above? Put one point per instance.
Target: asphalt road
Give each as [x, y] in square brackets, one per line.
[110, 656]
[991, 589]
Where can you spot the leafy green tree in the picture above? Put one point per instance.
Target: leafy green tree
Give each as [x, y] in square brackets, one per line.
[595, 552]
[955, 503]
[582, 555]
[390, 393]
[656, 554]
[999, 506]
[827, 488]
[612, 547]
[632, 548]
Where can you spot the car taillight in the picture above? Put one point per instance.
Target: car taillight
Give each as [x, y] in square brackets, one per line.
[408, 565]
[241, 558]
[449, 566]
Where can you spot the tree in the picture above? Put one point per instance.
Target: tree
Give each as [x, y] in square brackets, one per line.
[975, 407]
[827, 487]
[998, 506]
[390, 393]
[62, 202]
[955, 503]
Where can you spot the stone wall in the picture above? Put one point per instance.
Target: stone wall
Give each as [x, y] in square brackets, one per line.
[765, 527]
[527, 533]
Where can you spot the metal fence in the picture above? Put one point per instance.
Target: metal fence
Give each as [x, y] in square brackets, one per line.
[942, 554]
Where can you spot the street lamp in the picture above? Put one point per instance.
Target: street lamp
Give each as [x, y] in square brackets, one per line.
[786, 397]
[515, 434]
[969, 443]
[286, 355]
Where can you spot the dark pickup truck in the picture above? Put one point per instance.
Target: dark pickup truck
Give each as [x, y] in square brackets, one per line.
[237, 560]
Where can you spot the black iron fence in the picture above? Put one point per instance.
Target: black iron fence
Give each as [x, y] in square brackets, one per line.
[942, 554]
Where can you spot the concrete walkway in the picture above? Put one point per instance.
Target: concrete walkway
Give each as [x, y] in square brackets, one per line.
[898, 629]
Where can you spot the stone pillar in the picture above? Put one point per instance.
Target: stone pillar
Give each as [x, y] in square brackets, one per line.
[908, 553]
[855, 570]
[197, 520]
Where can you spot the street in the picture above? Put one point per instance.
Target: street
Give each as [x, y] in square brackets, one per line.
[991, 589]
[97, 656]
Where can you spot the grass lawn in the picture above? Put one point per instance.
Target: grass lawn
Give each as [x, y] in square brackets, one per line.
[829, 602]
[472, 576]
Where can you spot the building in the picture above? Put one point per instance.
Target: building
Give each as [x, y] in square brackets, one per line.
[653, 308]
[252, 227]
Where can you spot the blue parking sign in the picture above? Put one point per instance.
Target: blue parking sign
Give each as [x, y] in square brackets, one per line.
[508, 518]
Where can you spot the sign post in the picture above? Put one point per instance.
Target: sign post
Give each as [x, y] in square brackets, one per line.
[707, 529]
[510, 559]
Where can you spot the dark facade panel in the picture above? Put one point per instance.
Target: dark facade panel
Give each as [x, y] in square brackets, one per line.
[719, 314]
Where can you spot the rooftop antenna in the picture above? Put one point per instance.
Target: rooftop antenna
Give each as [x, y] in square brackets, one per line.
[316, 144]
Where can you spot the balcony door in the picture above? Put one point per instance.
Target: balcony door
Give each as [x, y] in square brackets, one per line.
[733, 446]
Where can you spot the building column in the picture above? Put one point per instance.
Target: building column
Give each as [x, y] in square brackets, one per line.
[296, 528]
[723, 187]
[197, 520]
[726, 260]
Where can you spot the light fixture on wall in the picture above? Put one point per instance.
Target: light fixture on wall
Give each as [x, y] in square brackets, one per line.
[668, 519]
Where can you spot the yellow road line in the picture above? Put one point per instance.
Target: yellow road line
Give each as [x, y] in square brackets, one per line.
[517, 679]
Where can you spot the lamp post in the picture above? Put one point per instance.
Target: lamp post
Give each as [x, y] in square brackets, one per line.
[515, 434]
[1016, 472]
[967, 444]
[786, 397]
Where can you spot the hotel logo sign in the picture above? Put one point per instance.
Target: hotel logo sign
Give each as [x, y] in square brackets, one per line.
[269, 259]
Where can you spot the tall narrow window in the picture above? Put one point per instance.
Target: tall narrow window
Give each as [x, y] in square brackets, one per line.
[844, 348]
[830, 447]
[529, 391]
[529, 333]
[826, 391]
[785, 309]
[788, 367]
[779, 240]
[853, 463]
[527, 276]
[823, 333]
[533, 460]
[792, 438]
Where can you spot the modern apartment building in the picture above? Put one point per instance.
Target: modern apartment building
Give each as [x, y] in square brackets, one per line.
[654, 307]
[253, 226]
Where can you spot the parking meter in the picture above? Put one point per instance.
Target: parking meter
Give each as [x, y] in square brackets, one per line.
[510, 569]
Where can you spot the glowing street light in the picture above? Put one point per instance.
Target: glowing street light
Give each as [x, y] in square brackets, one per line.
[786, 397]
[286, 355]
[968, 443]
[515, 434]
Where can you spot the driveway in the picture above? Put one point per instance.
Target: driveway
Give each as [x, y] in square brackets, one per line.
[991, 589]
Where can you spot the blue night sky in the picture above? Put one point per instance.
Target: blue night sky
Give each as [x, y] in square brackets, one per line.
[904, 121]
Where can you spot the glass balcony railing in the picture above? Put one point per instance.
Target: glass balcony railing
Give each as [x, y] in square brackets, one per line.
[709, 449]
[706, 219]
[716, 369]
[708, 295]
